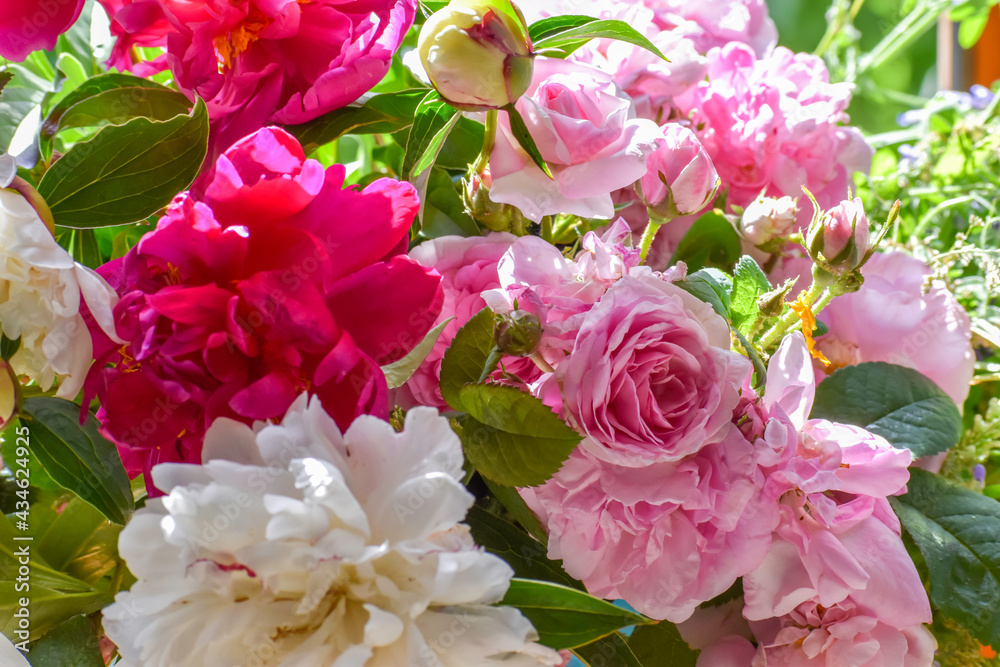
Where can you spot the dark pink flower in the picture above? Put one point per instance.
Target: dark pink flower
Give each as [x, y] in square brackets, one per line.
[34, 25]
[266, 280]
[139, 23]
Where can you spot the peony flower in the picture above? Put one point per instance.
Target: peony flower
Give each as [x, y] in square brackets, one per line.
[294, 544]
[266, 280]
[680, 178]
[772, 125]
[33, 25]
[650, 378]
[10, 655]
[477, 54]
[258, 62]
[42, 291]
[468, 266]
[665, 537]
[900, 318]
[137, 23]
[586, 129]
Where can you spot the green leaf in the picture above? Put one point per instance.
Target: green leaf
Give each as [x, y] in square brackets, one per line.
[567, 41]
[566, 617]
[711, 286]
[524, 139]
[971, 29]
[398, 372]
[8, 347]
[897, 403]
[380, 114]
[78, 457]
[712, 240]
[661, 644]
[81, 542]
[527, 556]
[611, 651]
[126, 173]
[5, 78]
[517, 508]
[114, 98]
[432, 116]
[73, 643]
[465, 359]
[749, 283]
[512, 437]
[21, 94]
[555, 25]
[958, 533]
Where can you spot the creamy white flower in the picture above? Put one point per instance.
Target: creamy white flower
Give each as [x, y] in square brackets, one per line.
[9, 655]
[768, 218]
[296, 546]
[40, 296]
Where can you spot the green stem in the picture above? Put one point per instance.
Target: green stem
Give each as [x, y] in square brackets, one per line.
[491, 363]
[833, 29]
[489, 138]
[911, 28]
[655, 222]
[791, 318]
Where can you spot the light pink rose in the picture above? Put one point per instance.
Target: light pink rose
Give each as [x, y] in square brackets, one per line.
[665, 537]
[585, 128]
[813, 635]
[846, 222]
[775, 124]
[468, 266]
[651, 377]
[894, 318]
[680, 176]
[711, 23]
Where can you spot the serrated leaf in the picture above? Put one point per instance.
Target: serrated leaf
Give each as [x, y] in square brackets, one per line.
[465, 359]
[78, 457]
[512, 437]
[609, 651]
[711, 286]
[958, 533]
[749, 283]
[526, 555]
[524, 139]
[566, 617]
[398, 372]
[661, 644]
[568, 41]
[899, 404]
[380, 114]
[711, 241]
[72, 643]
[126, 173]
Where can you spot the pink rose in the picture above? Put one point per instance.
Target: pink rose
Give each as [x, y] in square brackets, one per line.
[712, 23]
[468, 266]
[680, 177]
[257, 62]
[586, 129]
[775, 124]
[893, 318]
[250, 292]
[664, 537]
[29, 25]
[650, 377]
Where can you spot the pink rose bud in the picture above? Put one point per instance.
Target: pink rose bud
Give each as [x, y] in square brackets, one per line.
[680, 177]
[477, 54]
[842, 235]
[768, 218]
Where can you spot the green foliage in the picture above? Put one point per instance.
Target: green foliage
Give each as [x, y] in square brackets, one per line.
[749, 283]
[73, 643]
[661, 644]
[561, 37]
[711, 241]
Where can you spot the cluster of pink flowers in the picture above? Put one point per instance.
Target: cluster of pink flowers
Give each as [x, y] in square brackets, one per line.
[257, 62]
[268, 279]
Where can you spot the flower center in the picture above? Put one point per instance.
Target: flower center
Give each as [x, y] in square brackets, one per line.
[231, 45]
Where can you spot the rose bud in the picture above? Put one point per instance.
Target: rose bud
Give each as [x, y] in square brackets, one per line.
[841, 237]
[495, 216]
[680, 177]
[517, 333]
[477, 53]
[768, 218]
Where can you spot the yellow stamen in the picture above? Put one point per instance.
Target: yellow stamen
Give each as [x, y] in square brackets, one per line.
[805, 313]
[231, 45]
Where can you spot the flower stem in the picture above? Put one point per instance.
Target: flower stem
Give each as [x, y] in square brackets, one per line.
[816, 296]
[489, 138]
[655, 222]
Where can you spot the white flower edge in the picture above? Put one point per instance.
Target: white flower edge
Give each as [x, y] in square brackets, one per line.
[9, 655]
[314, 547]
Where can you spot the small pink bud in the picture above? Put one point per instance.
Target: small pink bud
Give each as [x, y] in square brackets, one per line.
[768, 218]
[680, 177]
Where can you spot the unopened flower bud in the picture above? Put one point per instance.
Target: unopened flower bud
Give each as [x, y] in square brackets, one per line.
[680, 177]
[767, 219]
[841, 237]
[496, 217]
[517, 333]
[10, 394]
[477, 53]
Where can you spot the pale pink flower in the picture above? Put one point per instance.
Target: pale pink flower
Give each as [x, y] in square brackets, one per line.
[681, 178]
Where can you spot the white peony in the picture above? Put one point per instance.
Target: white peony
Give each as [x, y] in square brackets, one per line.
[296, 546]
[9, 655]
[40, 290]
